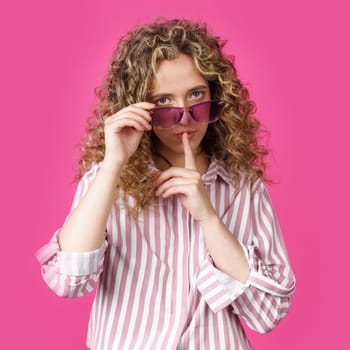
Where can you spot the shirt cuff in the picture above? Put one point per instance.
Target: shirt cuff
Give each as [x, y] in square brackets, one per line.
[217, 288]
[71, 263]
[82, 263]
[260, 277]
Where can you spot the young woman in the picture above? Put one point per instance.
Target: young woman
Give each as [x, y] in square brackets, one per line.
[171, 221]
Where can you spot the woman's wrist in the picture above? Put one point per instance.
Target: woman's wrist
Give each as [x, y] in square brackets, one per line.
[111, 168]
[113, 164]
[210, 219]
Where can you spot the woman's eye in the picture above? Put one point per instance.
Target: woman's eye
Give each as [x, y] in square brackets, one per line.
[163, 101]
[197, 94]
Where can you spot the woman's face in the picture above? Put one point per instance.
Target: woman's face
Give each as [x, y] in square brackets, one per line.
[178, 83]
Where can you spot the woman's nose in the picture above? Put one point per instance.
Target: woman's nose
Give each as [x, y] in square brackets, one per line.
[186, 117]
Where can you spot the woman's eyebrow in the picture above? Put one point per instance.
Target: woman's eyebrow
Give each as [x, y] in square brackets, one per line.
[168, 94]
[162, 94]
[199, 87]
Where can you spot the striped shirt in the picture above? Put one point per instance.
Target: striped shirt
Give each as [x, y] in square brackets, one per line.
[157, 286]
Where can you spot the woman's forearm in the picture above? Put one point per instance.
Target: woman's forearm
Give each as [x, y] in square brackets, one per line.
[85, 228]
[224, 249]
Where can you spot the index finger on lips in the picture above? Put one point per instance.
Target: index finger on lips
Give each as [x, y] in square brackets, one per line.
[190, 162]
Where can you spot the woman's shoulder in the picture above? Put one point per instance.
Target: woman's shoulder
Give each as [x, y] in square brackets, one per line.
[240, 180]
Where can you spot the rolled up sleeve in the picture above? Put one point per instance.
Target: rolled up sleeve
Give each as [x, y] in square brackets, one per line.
[265, 297]
[72, 274]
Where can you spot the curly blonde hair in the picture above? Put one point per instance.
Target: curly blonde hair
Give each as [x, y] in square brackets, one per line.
[234, 139]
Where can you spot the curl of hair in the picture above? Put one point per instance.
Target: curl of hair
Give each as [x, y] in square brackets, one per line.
[234, 139]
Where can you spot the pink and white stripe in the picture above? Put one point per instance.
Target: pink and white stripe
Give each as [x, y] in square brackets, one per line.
[157, 287]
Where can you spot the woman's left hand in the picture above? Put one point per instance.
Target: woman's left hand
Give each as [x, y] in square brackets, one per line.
[187, 184]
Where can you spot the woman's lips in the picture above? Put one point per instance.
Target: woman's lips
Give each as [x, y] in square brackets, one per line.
[189, 133]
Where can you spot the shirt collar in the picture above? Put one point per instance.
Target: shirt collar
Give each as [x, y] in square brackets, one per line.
[216, 168]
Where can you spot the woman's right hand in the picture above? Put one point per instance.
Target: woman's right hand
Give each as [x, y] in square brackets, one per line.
[84, 230]
[123, 132]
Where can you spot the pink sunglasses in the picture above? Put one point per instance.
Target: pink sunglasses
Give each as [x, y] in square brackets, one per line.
[169, 117]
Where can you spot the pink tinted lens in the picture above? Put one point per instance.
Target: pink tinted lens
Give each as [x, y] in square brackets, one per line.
[166, 117]
[169, 117]
[206, 112]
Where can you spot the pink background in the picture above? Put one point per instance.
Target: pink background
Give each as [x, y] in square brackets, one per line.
[294, 58]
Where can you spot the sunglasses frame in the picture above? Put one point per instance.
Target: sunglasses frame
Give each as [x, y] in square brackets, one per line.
[181, 111]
